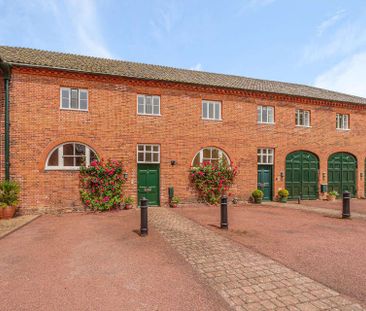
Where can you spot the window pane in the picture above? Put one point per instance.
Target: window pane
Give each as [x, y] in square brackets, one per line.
[259, 114]
[65, 102]
[93, 156]
[156, 148]
[215, 153]
[148, 100]
[155, 157]
[83, 94]
[141, 147]
[74, 99]
[204, 110]
[196, 161]
[156, 103]
[79, 161]
[217, 111]
[53, 160]
[211, 110]
[148, 148]
[68, 161]
[270, 114]
[148, 157]
[68, 149]
[206, 153]
[140, 157]
[79, 149]
[140, 100]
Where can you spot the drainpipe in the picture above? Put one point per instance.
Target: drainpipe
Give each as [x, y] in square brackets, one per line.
[5, 69]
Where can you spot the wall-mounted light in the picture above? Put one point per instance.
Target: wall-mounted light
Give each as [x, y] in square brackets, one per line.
[125, 175]
[282, 174]
[173, 162]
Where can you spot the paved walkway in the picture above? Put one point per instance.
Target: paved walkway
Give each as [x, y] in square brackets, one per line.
[245, 279]
[315, 209]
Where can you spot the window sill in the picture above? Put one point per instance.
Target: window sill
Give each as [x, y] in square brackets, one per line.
[217, 120]
[71, 109]
[266, 123]
[304, 126]
[343, 130]
[149, 115]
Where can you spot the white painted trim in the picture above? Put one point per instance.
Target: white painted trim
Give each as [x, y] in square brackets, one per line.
[144, 105]
[144, 153]
[73, 109]
[200, 153]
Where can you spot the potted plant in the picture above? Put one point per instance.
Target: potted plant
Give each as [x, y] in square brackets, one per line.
[257, 196]
[283, 195]
[128, 202]
[2, 207]
[174, 202]
[9, 195]
[332, 195]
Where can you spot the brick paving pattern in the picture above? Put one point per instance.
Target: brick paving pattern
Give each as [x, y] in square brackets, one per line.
[245, 279]
[315, 209]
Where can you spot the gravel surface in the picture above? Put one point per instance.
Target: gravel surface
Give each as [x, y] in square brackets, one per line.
[329, 250]
[97, 262]
[9, 225]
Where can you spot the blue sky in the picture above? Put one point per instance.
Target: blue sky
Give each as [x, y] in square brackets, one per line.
[314, 42]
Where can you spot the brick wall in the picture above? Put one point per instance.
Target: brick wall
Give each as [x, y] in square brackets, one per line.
[113, 128]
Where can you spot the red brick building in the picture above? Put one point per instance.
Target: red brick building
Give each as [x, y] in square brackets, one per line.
[57, 108]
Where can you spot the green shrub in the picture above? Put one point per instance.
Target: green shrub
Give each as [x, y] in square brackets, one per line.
[101, 184]
[129, 200]
[283, 193]
[212, 180]
[175, 200]
[9, 192]
[333, 193]
[257, 194]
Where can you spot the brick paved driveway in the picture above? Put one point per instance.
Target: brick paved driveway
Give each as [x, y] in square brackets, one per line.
[327, 249]
[96, 262]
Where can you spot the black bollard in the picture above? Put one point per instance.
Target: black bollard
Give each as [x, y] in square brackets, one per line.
[143, 207]
[346, 212]
[224, 224]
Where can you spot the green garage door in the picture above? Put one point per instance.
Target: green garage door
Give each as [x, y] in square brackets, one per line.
[302, 175]
[342, 168]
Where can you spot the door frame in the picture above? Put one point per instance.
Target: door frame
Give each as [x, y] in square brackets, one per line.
[158, 186]
[271, 180]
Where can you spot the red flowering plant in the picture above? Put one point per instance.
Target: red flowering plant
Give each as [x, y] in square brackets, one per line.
[212, 180]
[101, 184]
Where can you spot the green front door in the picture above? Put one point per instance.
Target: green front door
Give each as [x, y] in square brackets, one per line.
[265, 181]
[302, 175]
[148, 183]
[342, 168]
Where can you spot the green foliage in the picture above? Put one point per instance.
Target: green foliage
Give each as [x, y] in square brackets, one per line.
[257, 194]
[9, 192]
[129, 200]
[213, 180]
[283, 193]
[175, 200]
[333, 193]
[101, 185]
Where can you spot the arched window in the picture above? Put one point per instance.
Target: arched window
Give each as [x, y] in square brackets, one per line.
[210, 154]
[70, 156]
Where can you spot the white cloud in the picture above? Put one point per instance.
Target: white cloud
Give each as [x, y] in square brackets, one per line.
[86, 25]
[344, 41]
[329, 22]
[348, 76]
[197, 67]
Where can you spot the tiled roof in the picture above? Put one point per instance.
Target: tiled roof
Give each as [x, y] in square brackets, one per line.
[40, 58]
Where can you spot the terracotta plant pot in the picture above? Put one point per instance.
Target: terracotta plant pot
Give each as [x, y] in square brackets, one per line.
[331, 197]
[8, 212]
[172, 205]
[128, 206]
[1, 212]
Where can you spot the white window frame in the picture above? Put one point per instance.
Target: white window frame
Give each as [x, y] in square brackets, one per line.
[151, 151]
[265, 156]
[61, 157]
[260, 110]
[212, 103]
[306, 115]
[203, 159]
[342, 121]
[69, 89]
[144, 96]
